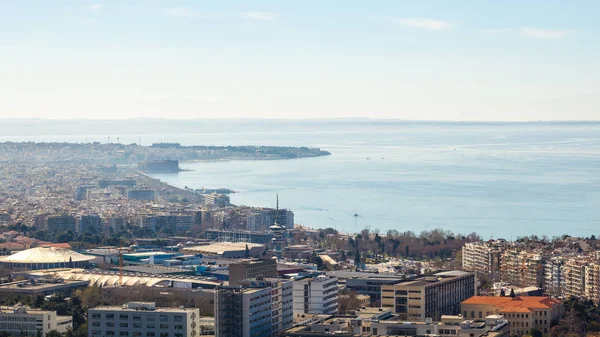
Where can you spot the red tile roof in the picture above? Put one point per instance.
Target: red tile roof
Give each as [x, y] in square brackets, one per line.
[509, 304]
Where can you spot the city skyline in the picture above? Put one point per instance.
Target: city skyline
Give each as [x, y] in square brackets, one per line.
[386, 60]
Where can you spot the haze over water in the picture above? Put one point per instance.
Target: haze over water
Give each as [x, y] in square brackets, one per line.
[497, 179]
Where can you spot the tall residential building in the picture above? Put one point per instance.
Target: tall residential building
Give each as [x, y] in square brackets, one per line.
[91, 222]
[316, 294]
[482, 258]
[252, 269]
[523, 313]
[255, 308]
[261, 220]
[553, 281]
[592, 281]
[21, 321]
[61, 223]
[144, 194]
[523, 268]
[216, 199]
[143, 319]
[573, 274]
[429, 296]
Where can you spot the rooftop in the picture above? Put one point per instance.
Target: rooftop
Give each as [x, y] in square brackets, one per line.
[46, 255]
[517, 304]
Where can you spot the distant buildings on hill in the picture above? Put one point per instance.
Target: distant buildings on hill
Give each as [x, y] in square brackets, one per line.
[162, 166]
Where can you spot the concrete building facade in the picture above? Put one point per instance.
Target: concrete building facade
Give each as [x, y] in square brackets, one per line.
[255, 308]
[430, 296]
[252, 269]
[21, 321]
[316, 295]
[142, 319]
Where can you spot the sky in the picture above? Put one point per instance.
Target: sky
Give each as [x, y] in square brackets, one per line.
[420, 60]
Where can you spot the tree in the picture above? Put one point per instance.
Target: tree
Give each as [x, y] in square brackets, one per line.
[53, 333]
[502, 293]
[512, 293]
[535, 333]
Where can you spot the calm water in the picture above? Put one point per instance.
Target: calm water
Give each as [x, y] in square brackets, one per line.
[500, 180]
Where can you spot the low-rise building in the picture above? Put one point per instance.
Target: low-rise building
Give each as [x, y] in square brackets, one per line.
[21, 321]
[143, 319]
[429, 296]
[523, 313]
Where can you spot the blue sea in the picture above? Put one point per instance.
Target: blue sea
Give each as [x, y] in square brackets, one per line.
[500, 180]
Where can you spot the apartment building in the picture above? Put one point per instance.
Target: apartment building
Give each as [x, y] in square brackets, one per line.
[316, 294]
[144, 194]
[430, 296]
[142, 319]
[553, 280]
[90, 223]
[523, 313]
[252, 269]
[573, 274]
[61, 223]
[216, 199]
[255, 308]
[482, 258]
[21, 321]
[523, 268]
[592, 281]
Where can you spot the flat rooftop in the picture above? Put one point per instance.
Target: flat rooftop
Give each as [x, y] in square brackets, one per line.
[25, 285]
[125, 308]
[357, 274]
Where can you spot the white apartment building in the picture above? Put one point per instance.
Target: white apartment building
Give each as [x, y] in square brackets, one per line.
[21, 321]
[316, 295]
[553, 281]
[482, 258]
[255, 308]
[216, 199]
[142, 319]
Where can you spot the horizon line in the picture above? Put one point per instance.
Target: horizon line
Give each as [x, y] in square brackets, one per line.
[296, 119]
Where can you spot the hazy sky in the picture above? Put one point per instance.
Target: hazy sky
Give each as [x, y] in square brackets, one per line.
[432, 60]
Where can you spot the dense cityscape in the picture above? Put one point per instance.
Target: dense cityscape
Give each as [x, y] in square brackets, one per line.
[93, 246]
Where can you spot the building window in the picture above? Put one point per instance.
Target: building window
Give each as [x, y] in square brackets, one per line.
[96, 316]
[95, 323]
[123, 325]
[178, 318]
[123, 317]
[137, 325]
[124, 333]
[164, 318]
[110, 316]
[164, 326]
[480, 314]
